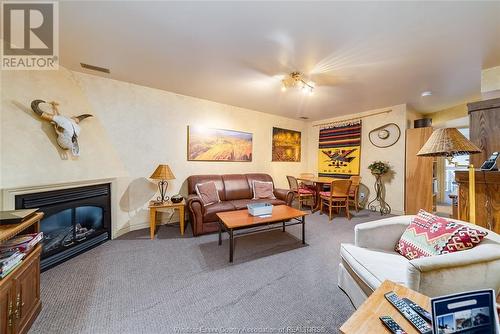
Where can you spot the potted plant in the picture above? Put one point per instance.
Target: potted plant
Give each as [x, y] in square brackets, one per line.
[379, 168]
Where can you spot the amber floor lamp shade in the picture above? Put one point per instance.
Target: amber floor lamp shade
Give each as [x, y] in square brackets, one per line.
[449, 143]
[163, 174]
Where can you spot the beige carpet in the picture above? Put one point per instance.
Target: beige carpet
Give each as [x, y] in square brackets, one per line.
[181, 285]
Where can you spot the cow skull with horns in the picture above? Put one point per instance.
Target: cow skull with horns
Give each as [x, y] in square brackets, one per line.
[67, 128]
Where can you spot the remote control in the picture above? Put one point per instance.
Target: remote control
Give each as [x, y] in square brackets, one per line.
[421, 311]
[392, 325]
[417, 321]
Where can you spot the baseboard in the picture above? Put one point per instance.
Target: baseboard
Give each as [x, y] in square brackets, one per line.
[135, 227]
[129, 228]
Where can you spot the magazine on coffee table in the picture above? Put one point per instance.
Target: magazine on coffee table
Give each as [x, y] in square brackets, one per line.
[471, 312]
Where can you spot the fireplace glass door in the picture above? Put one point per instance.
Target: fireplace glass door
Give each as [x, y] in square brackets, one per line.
[75, 220]
[65, 228]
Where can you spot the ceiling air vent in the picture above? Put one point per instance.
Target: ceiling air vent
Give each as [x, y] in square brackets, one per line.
[95, 68]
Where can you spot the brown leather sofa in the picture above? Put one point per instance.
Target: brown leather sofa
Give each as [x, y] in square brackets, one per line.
[235, 192]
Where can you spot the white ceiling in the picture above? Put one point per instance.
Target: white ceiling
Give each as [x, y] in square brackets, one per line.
[362, 55]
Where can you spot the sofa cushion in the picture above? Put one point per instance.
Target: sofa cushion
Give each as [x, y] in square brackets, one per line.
[210, 212]
[208, 193]
[236, 187]
[242, 203]
[263, 190]
[375, 266]
[429, 235]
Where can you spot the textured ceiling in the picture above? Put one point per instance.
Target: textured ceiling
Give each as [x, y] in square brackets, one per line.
[362, 55]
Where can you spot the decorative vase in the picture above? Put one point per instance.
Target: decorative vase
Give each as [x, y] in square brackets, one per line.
[379, 203]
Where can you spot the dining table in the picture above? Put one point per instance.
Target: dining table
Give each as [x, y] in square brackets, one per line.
[319, 182]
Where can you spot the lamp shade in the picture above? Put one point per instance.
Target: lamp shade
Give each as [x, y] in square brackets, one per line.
[162, 172]
[447, 142]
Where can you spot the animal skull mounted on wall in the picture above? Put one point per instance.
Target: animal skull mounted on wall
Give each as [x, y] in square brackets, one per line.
[67, 128]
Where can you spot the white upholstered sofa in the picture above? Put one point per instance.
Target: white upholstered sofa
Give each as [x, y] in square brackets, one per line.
[372, 259]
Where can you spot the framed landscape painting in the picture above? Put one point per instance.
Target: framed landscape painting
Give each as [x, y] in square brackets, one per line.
[286, 145]
[207, 144]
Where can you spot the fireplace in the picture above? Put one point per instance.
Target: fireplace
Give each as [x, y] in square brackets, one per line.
[76, 219]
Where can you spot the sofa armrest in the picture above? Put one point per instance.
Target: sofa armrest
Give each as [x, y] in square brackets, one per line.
[476, 268]
[284, 195]
[381, 234]
[195, 204]
[196, 210]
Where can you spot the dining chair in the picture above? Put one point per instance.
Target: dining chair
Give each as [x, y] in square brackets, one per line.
[336, 198]
[353, 191]
[307, 184]
[303, 194]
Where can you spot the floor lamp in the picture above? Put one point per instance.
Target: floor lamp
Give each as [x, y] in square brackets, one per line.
[449, 143]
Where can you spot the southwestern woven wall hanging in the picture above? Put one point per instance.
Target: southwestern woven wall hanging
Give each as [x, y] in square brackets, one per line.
[340, 149]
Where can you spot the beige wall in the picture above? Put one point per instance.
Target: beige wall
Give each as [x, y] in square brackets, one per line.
[394, 155]
[490, 79]
[456, 117]
[134, 129]
[411, 116]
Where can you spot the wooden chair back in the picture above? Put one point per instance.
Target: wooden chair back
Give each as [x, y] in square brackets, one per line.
[356, 180]
[292, 183]
[340, 187]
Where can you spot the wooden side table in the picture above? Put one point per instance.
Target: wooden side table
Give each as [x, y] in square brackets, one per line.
[166, 205]
[366, 318]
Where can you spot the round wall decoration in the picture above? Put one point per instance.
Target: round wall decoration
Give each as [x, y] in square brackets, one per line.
[385, 135]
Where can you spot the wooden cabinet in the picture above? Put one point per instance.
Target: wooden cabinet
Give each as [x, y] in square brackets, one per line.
[27, 287]
[20, 295]
[484, 129]
[487, 198]
[6, 307]
[20, 290]
[420, 173]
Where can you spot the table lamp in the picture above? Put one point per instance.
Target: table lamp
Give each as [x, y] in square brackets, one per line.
[449, 142]
[162, 173]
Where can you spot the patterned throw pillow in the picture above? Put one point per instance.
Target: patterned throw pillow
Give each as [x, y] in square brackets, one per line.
[429, 235]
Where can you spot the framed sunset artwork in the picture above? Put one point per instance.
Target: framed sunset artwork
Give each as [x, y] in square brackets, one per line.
[209, 144]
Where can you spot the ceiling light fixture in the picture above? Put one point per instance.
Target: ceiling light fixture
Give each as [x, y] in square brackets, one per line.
[426, 93]
[296, 80]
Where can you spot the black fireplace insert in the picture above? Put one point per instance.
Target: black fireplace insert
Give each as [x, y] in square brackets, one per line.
[76, 219]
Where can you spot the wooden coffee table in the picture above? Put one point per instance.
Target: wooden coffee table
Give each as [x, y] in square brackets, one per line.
[283, 215]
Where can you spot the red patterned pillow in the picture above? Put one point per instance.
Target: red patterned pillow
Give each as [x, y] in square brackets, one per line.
[429, 235]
